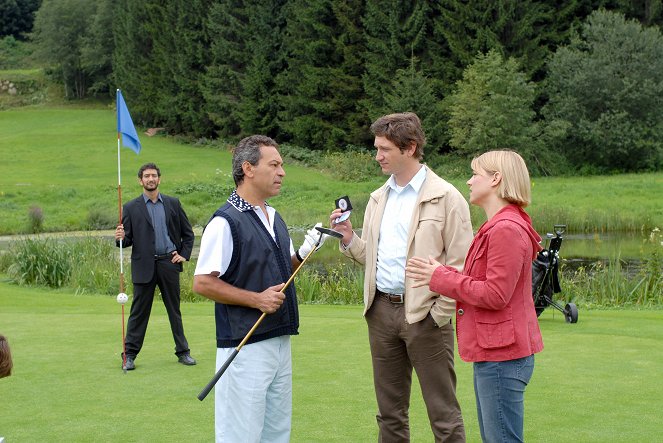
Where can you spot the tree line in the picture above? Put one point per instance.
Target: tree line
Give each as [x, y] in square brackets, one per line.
[574, 86]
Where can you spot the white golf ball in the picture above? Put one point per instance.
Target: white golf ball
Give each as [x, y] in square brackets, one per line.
[122, 298]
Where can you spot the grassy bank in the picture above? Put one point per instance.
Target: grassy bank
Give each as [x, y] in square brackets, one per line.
[67, 385]
[61, 161]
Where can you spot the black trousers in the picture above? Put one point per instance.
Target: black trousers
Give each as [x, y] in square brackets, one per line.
[167, 278]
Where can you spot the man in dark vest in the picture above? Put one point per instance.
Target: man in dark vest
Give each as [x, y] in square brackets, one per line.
[159, 232]
[246, 256]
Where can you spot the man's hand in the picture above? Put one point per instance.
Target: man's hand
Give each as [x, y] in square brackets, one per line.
[119, 232]
[344, 227]
[271, 299]
[177, 258]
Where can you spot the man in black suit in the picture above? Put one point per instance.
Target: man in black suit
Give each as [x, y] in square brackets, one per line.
[161, 237]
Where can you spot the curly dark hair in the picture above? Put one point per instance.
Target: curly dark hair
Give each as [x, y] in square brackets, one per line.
[148, 166]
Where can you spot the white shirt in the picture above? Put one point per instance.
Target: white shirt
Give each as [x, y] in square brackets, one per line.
[394, 230]
[216, 245]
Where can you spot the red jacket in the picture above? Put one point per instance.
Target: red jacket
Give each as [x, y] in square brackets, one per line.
[495, 316]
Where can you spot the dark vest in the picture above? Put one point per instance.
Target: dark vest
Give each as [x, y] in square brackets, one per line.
[257, 263]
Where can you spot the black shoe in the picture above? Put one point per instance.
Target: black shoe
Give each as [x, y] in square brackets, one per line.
[186, 359]
[129, 365]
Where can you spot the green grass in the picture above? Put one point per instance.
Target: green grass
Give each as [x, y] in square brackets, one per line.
[595, 381]
[63, 159]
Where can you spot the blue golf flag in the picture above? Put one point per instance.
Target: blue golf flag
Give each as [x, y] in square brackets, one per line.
[125, 125]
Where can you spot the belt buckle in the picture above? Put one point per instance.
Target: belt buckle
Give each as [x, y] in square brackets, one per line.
[396, 298]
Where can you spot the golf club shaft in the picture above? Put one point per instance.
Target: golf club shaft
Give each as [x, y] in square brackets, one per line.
[206, 390]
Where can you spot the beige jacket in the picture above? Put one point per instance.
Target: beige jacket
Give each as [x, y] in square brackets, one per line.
[440, 227]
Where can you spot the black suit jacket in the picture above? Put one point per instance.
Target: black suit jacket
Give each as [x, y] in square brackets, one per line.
[139, 234]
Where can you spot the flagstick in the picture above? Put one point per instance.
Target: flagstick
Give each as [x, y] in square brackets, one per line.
[119, 204]
[127, 131]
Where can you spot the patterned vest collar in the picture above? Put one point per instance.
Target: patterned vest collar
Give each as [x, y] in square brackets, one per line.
[240, 204]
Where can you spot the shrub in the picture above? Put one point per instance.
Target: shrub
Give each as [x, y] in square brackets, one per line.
[354, 166]
[40, 262]
[35, 219]
[299, 155]
[100, 218]
[13, 53]
[209, 189]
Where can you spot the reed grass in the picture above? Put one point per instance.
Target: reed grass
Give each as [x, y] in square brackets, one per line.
[609, 284]
[612, 284]
[86, 265]
[89, 265]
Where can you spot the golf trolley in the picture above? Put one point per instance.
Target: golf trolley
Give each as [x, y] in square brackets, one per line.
[545, 278]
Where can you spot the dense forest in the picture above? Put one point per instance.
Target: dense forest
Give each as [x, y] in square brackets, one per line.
[575, 86]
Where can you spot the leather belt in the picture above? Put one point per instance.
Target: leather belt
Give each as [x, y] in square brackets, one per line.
[396, 299]
[163, 256]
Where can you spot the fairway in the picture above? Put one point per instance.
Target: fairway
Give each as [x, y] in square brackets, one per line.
[592, 382]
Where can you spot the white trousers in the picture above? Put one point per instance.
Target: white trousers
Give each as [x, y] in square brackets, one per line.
[253, 398]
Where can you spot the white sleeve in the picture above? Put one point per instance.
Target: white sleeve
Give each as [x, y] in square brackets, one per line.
[292, 249]
[216, 248]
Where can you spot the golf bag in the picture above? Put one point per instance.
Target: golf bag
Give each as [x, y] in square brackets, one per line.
[545, 278]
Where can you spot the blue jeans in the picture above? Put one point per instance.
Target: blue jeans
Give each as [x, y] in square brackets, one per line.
[499, 388]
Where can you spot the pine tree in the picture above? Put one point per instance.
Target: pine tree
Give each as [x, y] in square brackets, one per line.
[160, 59]
[515, 29]
[398, 33]
[134, 70]
[245, 55]
[17, 17]
[321, 84]
[412, 91]
[492, 109]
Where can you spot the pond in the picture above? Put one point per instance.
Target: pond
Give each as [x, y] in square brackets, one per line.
[577, 249]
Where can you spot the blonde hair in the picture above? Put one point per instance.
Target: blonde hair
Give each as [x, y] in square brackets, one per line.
[515, 185]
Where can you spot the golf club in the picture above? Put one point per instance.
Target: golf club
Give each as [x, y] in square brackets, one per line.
[223, 368]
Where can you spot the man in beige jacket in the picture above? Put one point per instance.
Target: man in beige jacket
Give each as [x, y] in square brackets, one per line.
[415, 213]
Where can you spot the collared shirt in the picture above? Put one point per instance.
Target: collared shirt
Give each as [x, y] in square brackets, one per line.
[162, 242]
[394, 230]
[216, 245]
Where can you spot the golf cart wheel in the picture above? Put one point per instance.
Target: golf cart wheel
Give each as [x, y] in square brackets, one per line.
[539, 311]
[571, 313]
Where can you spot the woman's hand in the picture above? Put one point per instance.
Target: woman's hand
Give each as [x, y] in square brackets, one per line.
[421, 270]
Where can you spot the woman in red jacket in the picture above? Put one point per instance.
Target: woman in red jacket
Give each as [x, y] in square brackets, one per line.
[496, 323]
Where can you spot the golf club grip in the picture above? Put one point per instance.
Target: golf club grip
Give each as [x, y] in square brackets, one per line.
[217, 376]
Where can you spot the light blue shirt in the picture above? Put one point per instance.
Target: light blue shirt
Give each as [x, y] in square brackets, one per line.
[394, 230]
[162, 242]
